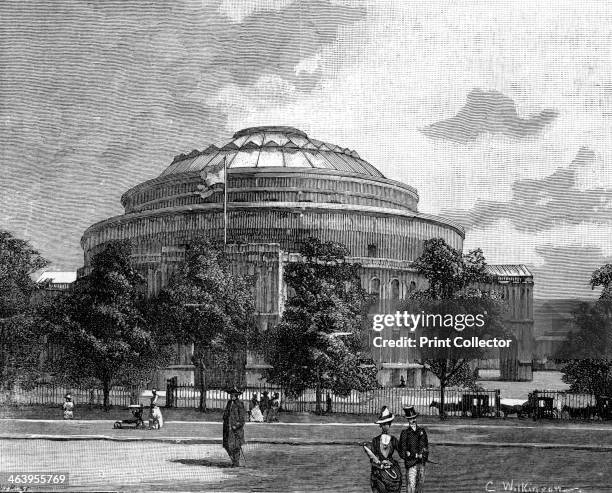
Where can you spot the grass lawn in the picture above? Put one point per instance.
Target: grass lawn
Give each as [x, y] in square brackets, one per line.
[147, 466]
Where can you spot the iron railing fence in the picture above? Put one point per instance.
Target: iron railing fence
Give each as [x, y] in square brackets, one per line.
[54, 394]
[425, 401]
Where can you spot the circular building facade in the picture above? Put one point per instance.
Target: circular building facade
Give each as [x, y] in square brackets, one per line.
[282, 187]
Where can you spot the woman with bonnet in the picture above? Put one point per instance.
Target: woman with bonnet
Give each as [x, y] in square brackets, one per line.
[386, 475]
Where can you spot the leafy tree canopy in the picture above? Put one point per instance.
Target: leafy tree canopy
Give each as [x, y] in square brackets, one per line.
[603, 277]
[18, 261]
[319, 342]
[587, 351]
[20, 340]
[101, 325]
[455, 293]
[207, 305]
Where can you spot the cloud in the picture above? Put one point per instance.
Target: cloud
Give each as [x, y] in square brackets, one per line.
[566, 271]
[547, 203]
[99, 96]
[562, 259]
[488, 112]
[276, 41]
[238, 10]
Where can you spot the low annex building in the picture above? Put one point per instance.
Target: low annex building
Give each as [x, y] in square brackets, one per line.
[283, 187]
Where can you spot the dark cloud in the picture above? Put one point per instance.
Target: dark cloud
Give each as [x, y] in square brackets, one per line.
[488, 112]
[275, 41]
[540, 205]
[566, 272]
[99, 96]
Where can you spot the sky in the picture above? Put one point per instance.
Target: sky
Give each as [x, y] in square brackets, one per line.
[499, 113]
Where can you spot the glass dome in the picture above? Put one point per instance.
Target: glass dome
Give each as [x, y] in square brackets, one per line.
[280, 147]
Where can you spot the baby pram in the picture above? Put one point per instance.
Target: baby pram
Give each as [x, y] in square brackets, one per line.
[136, 421]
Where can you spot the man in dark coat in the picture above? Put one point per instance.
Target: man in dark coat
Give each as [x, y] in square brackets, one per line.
[233, 426]
[414, 449]
[265, 405]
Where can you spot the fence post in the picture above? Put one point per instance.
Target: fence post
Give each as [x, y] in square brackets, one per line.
[497, 403]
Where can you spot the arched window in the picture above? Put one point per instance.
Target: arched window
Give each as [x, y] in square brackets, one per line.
[395, 290]
[375, 286]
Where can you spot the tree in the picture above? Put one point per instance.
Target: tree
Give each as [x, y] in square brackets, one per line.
[454, 301]
[20, 341]
[318, 342]
[587, 351]
[206, 305]
[603, 277]
[101, 326]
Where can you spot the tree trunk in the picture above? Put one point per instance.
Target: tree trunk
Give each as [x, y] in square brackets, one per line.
[442, 411]
[202, 368]
[106, 389]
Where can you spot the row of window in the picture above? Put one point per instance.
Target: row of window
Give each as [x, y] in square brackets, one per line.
[394, 288]
[277, 182]
[264, 196]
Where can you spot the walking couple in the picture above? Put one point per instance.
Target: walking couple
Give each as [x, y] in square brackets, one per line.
[412, 447]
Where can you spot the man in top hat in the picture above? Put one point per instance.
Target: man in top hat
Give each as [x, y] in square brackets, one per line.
[413, 448]
[233, 426]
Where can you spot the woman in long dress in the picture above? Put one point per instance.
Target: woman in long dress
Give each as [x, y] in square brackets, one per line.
[156, 421]
[68, 407]
[255, 414]
[386, 474]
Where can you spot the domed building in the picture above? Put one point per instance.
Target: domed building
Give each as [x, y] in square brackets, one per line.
[281, 188]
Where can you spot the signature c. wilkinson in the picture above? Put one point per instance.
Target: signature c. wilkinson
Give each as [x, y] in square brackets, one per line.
[527, 487]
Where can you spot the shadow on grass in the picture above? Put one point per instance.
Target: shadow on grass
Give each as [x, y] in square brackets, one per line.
[221, 464]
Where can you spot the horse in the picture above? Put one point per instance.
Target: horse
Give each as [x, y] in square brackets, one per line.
[514, 406]
[449, 407]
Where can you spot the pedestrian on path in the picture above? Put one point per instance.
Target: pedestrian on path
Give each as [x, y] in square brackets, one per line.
[414, 449]
[274, 408]
[233, 426]
[68, 407]
[386, 474]
[254, 410]
[156, 421]
[265, 405]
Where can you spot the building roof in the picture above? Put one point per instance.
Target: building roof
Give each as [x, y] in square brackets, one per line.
[283, 147]
[58, 277]
[508, 270]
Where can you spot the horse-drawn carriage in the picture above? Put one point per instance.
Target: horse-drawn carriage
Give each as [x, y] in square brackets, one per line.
[542, 407]
[473, 405]
[476, 405]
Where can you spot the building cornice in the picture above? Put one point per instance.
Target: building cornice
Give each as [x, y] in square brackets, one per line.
[291, 207]
[276, 172]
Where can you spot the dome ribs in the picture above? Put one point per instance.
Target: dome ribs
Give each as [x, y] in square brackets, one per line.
[249, 145]
[210, 149]
[272, 147]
